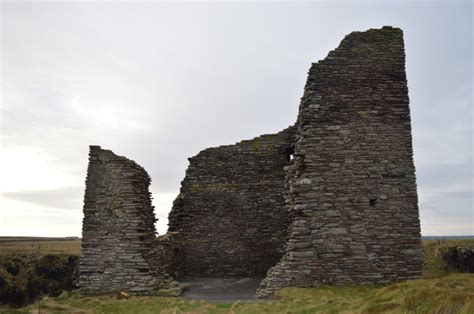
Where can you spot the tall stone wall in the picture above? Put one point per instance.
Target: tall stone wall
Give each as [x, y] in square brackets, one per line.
[119, 249]
[344, 209]
[231, 211]
[352, 198]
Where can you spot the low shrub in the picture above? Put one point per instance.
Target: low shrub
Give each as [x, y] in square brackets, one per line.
[24, 278]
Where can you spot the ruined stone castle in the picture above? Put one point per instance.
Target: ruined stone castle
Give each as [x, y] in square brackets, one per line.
[331, 199]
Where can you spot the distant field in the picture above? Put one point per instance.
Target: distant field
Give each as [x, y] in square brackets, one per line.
[9, 245]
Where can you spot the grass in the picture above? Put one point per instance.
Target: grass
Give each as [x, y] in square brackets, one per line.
[9, 245]
[434, 266]
[441, 291]
[451, 294]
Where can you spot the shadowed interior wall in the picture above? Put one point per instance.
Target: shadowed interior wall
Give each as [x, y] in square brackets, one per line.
[230, 209]
[353, 198]
[119, 250]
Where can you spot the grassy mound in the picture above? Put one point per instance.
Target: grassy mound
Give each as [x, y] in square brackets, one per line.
[434, 264]
[24, 278]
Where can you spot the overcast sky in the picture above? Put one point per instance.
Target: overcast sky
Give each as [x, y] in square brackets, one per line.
[158, 82]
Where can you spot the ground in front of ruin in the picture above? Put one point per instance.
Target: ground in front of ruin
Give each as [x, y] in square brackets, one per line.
[442, 290]
[220, 289]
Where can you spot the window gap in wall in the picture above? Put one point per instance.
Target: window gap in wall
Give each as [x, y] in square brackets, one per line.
[289, 153]
[372, 201]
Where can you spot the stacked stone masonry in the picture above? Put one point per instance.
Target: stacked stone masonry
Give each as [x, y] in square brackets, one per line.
[231, 211]
[352, 189]
[331, 199]
[119, 250]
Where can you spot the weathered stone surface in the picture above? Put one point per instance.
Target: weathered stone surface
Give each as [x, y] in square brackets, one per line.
[171, 259]
[119, 250]
[354, 136]
[231, 211]
[331, 199]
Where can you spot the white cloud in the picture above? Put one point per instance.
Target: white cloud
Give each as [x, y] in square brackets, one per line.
[24, 168]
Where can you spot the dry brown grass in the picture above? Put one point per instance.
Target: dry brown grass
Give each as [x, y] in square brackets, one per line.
[9, 245]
